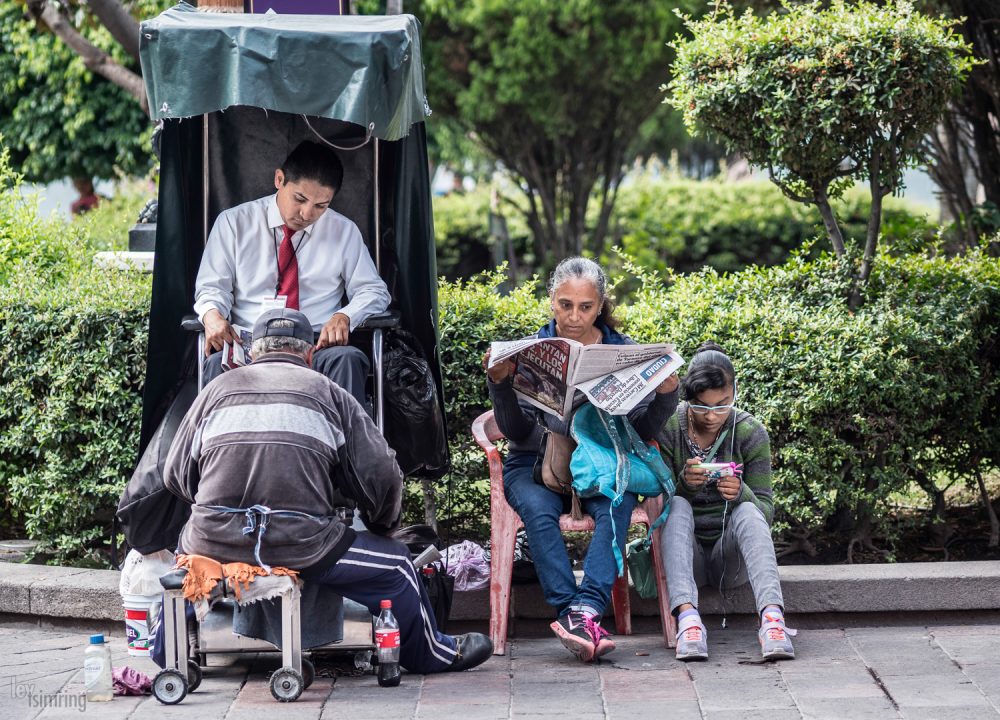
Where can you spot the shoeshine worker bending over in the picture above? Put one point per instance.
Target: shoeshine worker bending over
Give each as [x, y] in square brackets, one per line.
[272, 442]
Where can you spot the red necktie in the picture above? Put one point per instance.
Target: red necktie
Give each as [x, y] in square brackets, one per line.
[288, 270]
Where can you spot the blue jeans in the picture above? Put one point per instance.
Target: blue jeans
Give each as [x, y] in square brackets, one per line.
[539, 509]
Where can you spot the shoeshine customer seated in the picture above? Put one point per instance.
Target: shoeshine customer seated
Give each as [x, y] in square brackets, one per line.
[582, 311]
[292, 250]
[272, 442]
[718, 530]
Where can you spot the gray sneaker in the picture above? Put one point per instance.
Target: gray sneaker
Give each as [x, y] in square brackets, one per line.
[775, 643]
[692, 639]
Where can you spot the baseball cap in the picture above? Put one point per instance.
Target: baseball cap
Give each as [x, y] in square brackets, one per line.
[301, 330]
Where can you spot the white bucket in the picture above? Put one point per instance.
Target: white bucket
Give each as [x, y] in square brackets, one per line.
[137, 620]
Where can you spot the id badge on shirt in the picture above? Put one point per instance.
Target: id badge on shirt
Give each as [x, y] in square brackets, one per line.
[275, 302]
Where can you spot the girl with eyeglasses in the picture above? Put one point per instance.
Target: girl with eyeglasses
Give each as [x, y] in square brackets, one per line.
[718, 530]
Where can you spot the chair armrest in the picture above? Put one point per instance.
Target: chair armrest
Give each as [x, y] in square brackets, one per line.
[191, 323]
[481, 433]
[174, 580]
[388, 319]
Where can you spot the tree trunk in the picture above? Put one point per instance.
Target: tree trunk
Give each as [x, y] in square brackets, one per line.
[874, 216]
[94, 58]
[122, 26]
[830, 221]
[430, 503]
[990, 512]
[953, 170]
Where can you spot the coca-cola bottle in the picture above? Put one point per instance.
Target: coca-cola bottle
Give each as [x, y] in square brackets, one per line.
[387, 643]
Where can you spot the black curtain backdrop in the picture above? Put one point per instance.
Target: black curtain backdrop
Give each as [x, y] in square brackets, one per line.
[246, 145]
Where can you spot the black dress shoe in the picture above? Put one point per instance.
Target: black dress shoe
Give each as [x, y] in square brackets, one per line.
[471, 649]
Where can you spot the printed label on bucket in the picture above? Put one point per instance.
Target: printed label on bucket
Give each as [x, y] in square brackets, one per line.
[137, 631]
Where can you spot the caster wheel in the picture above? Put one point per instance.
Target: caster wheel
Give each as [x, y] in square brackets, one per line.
[308, 673]
[169, 687]
[286, 685]
[194, 675]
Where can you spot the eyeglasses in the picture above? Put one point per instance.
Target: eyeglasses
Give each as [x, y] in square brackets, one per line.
[706, 409]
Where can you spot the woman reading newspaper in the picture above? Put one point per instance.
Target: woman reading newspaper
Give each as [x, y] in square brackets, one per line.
[581, 311]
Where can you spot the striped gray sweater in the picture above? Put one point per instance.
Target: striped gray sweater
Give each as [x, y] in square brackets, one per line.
[751, 447]
[276, 433]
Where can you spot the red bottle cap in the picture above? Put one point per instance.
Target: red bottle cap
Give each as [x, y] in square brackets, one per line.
[385, 604]
[428, 570]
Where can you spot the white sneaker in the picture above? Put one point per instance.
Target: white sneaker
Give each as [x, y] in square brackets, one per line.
[692, 639]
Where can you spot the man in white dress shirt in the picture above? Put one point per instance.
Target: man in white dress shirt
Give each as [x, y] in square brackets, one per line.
[291, 250]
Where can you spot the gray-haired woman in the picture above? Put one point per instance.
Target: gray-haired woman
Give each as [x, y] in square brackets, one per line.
[581, 311]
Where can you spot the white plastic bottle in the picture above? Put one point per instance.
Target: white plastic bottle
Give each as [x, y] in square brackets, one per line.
[97, 670]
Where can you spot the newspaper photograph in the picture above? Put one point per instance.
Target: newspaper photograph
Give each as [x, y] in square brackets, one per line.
[613, 377]
[236, 355]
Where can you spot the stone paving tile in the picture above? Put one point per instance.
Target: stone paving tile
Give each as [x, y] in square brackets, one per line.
[937, 673]
[969, 646]
[643, 708]
[932, 690]
[651, 686]
[754, 714]
[833, 682]
[948, 712]
[875, 708]
[986, 678]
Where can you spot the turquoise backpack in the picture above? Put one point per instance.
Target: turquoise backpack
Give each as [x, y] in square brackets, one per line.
[611, 459]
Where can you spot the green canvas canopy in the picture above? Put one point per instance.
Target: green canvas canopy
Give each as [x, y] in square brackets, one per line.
[366, 70]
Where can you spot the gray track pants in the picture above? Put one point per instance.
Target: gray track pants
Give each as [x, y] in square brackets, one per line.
[745, 552]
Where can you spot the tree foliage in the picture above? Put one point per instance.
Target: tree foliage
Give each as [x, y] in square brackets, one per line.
[822, 97]
[555, 90]
[59, 118]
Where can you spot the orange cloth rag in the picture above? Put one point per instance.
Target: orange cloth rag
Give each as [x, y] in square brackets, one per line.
[204, 572]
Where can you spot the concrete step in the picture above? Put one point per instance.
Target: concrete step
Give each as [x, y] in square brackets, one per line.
[42, 591]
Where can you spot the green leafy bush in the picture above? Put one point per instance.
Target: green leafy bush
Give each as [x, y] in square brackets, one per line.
[859, 404]
[685, 225]
[822, 95]
[471, 314]
[72, 363]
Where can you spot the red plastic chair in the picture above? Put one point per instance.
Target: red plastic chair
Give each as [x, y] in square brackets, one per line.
[504, 524]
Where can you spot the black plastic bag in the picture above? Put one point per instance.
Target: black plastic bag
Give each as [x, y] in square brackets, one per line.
[440, 586]
[414, 422]
[150, 515]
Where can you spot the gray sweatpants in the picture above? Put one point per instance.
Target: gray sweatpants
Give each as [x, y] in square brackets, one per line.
[744, 552]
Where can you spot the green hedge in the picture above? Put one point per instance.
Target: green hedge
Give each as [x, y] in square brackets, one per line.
[72, 363]
[684, 225]
[859, 405]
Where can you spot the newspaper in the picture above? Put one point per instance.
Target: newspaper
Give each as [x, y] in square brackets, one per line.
[236, 355]
[613, 377]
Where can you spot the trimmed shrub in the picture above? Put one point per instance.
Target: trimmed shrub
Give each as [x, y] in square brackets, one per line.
[72, 363]
[859, 405]
[684, 225]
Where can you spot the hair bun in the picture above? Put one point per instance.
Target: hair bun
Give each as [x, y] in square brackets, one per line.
[707, 346]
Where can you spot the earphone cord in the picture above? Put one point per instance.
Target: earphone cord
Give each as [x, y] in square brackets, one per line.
[722, 540]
